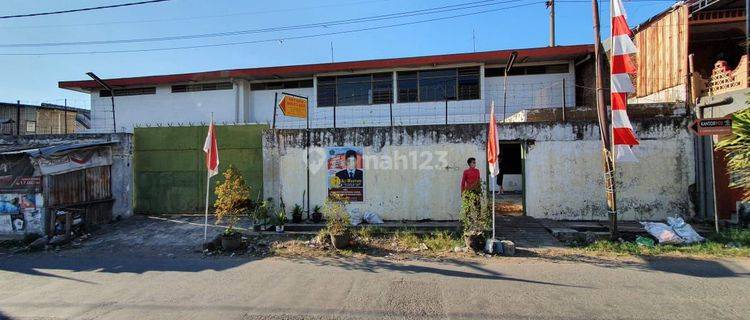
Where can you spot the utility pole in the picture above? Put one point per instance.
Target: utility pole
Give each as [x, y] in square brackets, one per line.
[473, 40]
[551, 6]
[604, 130]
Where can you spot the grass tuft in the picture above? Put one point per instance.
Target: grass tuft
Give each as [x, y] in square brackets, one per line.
[730, 243]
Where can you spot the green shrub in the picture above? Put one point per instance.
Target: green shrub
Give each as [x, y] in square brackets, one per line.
[337, 218]
[475, 215]
[232, 197]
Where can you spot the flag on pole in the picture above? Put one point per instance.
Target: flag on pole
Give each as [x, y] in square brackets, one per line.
[621, 67]
[492, 143]
[212, 151]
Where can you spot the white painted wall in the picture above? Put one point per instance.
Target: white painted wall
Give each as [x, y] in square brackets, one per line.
[246, 106]
[564, 179]
[530, 92]
[261, 104]
[163, 108]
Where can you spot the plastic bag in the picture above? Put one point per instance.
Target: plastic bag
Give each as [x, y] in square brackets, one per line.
[644, 242]
[684, 230]
[662, 232]
[355, 217]
[372, 218]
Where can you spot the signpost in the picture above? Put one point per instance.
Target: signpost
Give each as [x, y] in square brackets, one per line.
[293, 106]
[711, 126]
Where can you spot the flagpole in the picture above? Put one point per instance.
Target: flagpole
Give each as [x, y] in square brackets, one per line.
[208, 185]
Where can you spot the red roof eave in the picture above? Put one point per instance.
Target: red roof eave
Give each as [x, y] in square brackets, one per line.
[531, 54]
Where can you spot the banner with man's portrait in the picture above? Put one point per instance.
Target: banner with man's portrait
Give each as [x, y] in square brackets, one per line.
[345, 177]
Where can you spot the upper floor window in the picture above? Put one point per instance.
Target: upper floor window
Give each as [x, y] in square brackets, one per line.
[277, 85]
[527, 70]
[352, 90]
[128, 92]
[439, 85]
[202, 87]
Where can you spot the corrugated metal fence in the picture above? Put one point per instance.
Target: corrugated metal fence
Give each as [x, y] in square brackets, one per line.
[170, 174]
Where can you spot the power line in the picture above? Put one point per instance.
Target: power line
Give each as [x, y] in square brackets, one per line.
[281, 39]
[26, 15]
[193, 17]
[404, 14]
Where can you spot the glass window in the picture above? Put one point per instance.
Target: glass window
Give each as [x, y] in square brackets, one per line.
[437, 85]
[407, 87]
[353, 90]
[326, 91]
[382, 88]
[468, 83]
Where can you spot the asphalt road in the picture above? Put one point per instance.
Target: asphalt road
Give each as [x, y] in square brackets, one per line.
[129, 286]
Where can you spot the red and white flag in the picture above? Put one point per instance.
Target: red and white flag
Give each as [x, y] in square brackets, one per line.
[492, 143]
[621, 67]
[212, 151]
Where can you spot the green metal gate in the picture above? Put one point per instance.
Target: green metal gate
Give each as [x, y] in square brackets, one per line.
[169, 167]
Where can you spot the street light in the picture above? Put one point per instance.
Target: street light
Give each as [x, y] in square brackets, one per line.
[111, 95]
[508, 65]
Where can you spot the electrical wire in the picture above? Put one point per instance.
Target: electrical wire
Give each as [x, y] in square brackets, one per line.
[26, 15]
[326, 24]
[235, 14]
[280, 39]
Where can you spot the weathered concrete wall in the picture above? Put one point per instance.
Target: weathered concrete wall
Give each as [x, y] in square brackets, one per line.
[400, 188]
[563, 172]
[564, 178]
[122, 156]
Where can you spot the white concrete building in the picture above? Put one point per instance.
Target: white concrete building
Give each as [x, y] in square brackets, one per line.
[453, 88]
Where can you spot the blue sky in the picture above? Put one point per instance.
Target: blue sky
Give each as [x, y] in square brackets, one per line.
[33, 79]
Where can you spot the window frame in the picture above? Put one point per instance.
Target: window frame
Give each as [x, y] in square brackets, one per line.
[417, 76]
[140, 91]
[374, 78]
[197, 87]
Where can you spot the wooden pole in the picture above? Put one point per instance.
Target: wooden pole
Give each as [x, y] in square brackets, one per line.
[275, 101]
[604, 130]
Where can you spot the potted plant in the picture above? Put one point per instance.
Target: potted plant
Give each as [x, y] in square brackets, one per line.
[280, 220]
[297, 214]
[337, 222]
[232, 197]
[475, 219]
[317, 216]
[261, 214]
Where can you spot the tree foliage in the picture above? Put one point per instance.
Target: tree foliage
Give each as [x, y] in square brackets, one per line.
[737, 150]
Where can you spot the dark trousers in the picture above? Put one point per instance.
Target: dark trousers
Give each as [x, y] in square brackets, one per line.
[500, 178]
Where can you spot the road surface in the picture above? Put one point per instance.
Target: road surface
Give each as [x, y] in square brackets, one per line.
[98, 285]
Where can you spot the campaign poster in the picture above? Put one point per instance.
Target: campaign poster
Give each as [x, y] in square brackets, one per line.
[345, 173]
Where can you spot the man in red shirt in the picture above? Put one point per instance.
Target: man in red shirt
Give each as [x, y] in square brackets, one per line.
[471, 179]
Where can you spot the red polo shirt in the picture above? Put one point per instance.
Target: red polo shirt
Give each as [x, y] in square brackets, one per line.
[470, 179]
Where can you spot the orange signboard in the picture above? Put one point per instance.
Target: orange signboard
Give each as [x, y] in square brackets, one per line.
[293, 106]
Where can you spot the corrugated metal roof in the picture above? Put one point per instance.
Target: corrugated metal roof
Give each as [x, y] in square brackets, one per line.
[308, 70]
[36, 151]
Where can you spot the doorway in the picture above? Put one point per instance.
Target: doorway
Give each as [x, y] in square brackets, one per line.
[511, 200]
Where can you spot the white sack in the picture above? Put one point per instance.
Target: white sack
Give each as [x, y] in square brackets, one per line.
[662, 232]
[684, 230]
[372, 218]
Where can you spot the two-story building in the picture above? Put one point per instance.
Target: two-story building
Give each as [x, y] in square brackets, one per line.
[696, 53]
[412, 123]
[414, 90]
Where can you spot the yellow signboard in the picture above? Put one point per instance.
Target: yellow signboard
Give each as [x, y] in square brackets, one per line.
[293, 106]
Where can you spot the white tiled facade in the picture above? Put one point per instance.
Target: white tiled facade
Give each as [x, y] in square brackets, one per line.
[243, 105]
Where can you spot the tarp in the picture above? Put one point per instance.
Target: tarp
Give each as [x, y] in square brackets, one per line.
[72, 160]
